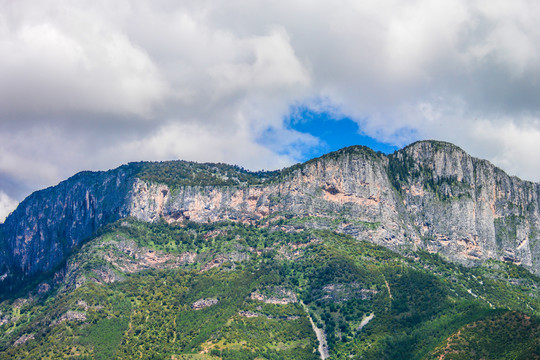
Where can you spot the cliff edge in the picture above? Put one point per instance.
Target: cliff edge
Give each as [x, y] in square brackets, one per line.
[429, 195]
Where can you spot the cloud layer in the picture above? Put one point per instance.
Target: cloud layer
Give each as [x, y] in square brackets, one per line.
[93, 84]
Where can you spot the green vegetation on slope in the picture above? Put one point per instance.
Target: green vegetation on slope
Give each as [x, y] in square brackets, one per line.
[501, 335]
[186, 173]
[233, 291]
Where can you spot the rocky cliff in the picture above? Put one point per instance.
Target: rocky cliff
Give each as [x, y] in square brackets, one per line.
[466, 208]
[48, 224]
[429, 195]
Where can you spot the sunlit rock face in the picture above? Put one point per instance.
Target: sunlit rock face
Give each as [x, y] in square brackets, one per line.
[466, 208]
[429, 195]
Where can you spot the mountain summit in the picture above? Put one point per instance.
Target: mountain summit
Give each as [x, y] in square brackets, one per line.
[425, 253]
[430, 195]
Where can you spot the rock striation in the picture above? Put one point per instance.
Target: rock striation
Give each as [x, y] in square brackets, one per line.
[466, 208]
[50, 223]
[430, 195]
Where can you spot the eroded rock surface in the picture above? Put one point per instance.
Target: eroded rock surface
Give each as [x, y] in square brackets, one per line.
[429, 195]
[203, 303]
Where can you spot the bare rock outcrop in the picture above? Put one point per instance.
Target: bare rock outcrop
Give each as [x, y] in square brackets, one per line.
[203, 303]
[430, 195]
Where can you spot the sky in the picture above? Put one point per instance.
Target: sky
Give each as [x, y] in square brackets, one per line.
[90, 85]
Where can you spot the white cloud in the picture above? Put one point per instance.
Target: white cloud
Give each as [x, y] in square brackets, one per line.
[7, 205]
[56, 65]
[264, 62]
[511, 146]
[196, 143]
[92, 84]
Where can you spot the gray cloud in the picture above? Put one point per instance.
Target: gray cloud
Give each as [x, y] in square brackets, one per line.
[93, 84]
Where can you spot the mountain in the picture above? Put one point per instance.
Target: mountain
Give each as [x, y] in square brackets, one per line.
[429, 195]
[422, 254]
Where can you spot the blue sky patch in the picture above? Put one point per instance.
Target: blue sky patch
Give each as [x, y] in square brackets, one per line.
[323, 132]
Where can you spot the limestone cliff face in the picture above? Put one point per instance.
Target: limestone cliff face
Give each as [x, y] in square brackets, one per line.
[350, 185]
[429, 195]
[466, 208]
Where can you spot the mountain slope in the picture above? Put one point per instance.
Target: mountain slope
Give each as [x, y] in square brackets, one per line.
[235, 291]
[429, 195]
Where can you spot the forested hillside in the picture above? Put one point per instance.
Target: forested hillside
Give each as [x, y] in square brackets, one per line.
[233, 291]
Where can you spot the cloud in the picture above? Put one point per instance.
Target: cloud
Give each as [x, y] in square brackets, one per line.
[512, 147]
[57, 65]
[93, 84]
[7, 205]
[233, 146]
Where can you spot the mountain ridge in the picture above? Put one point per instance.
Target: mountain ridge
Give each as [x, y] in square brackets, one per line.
[429, 195]
[344, 256]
